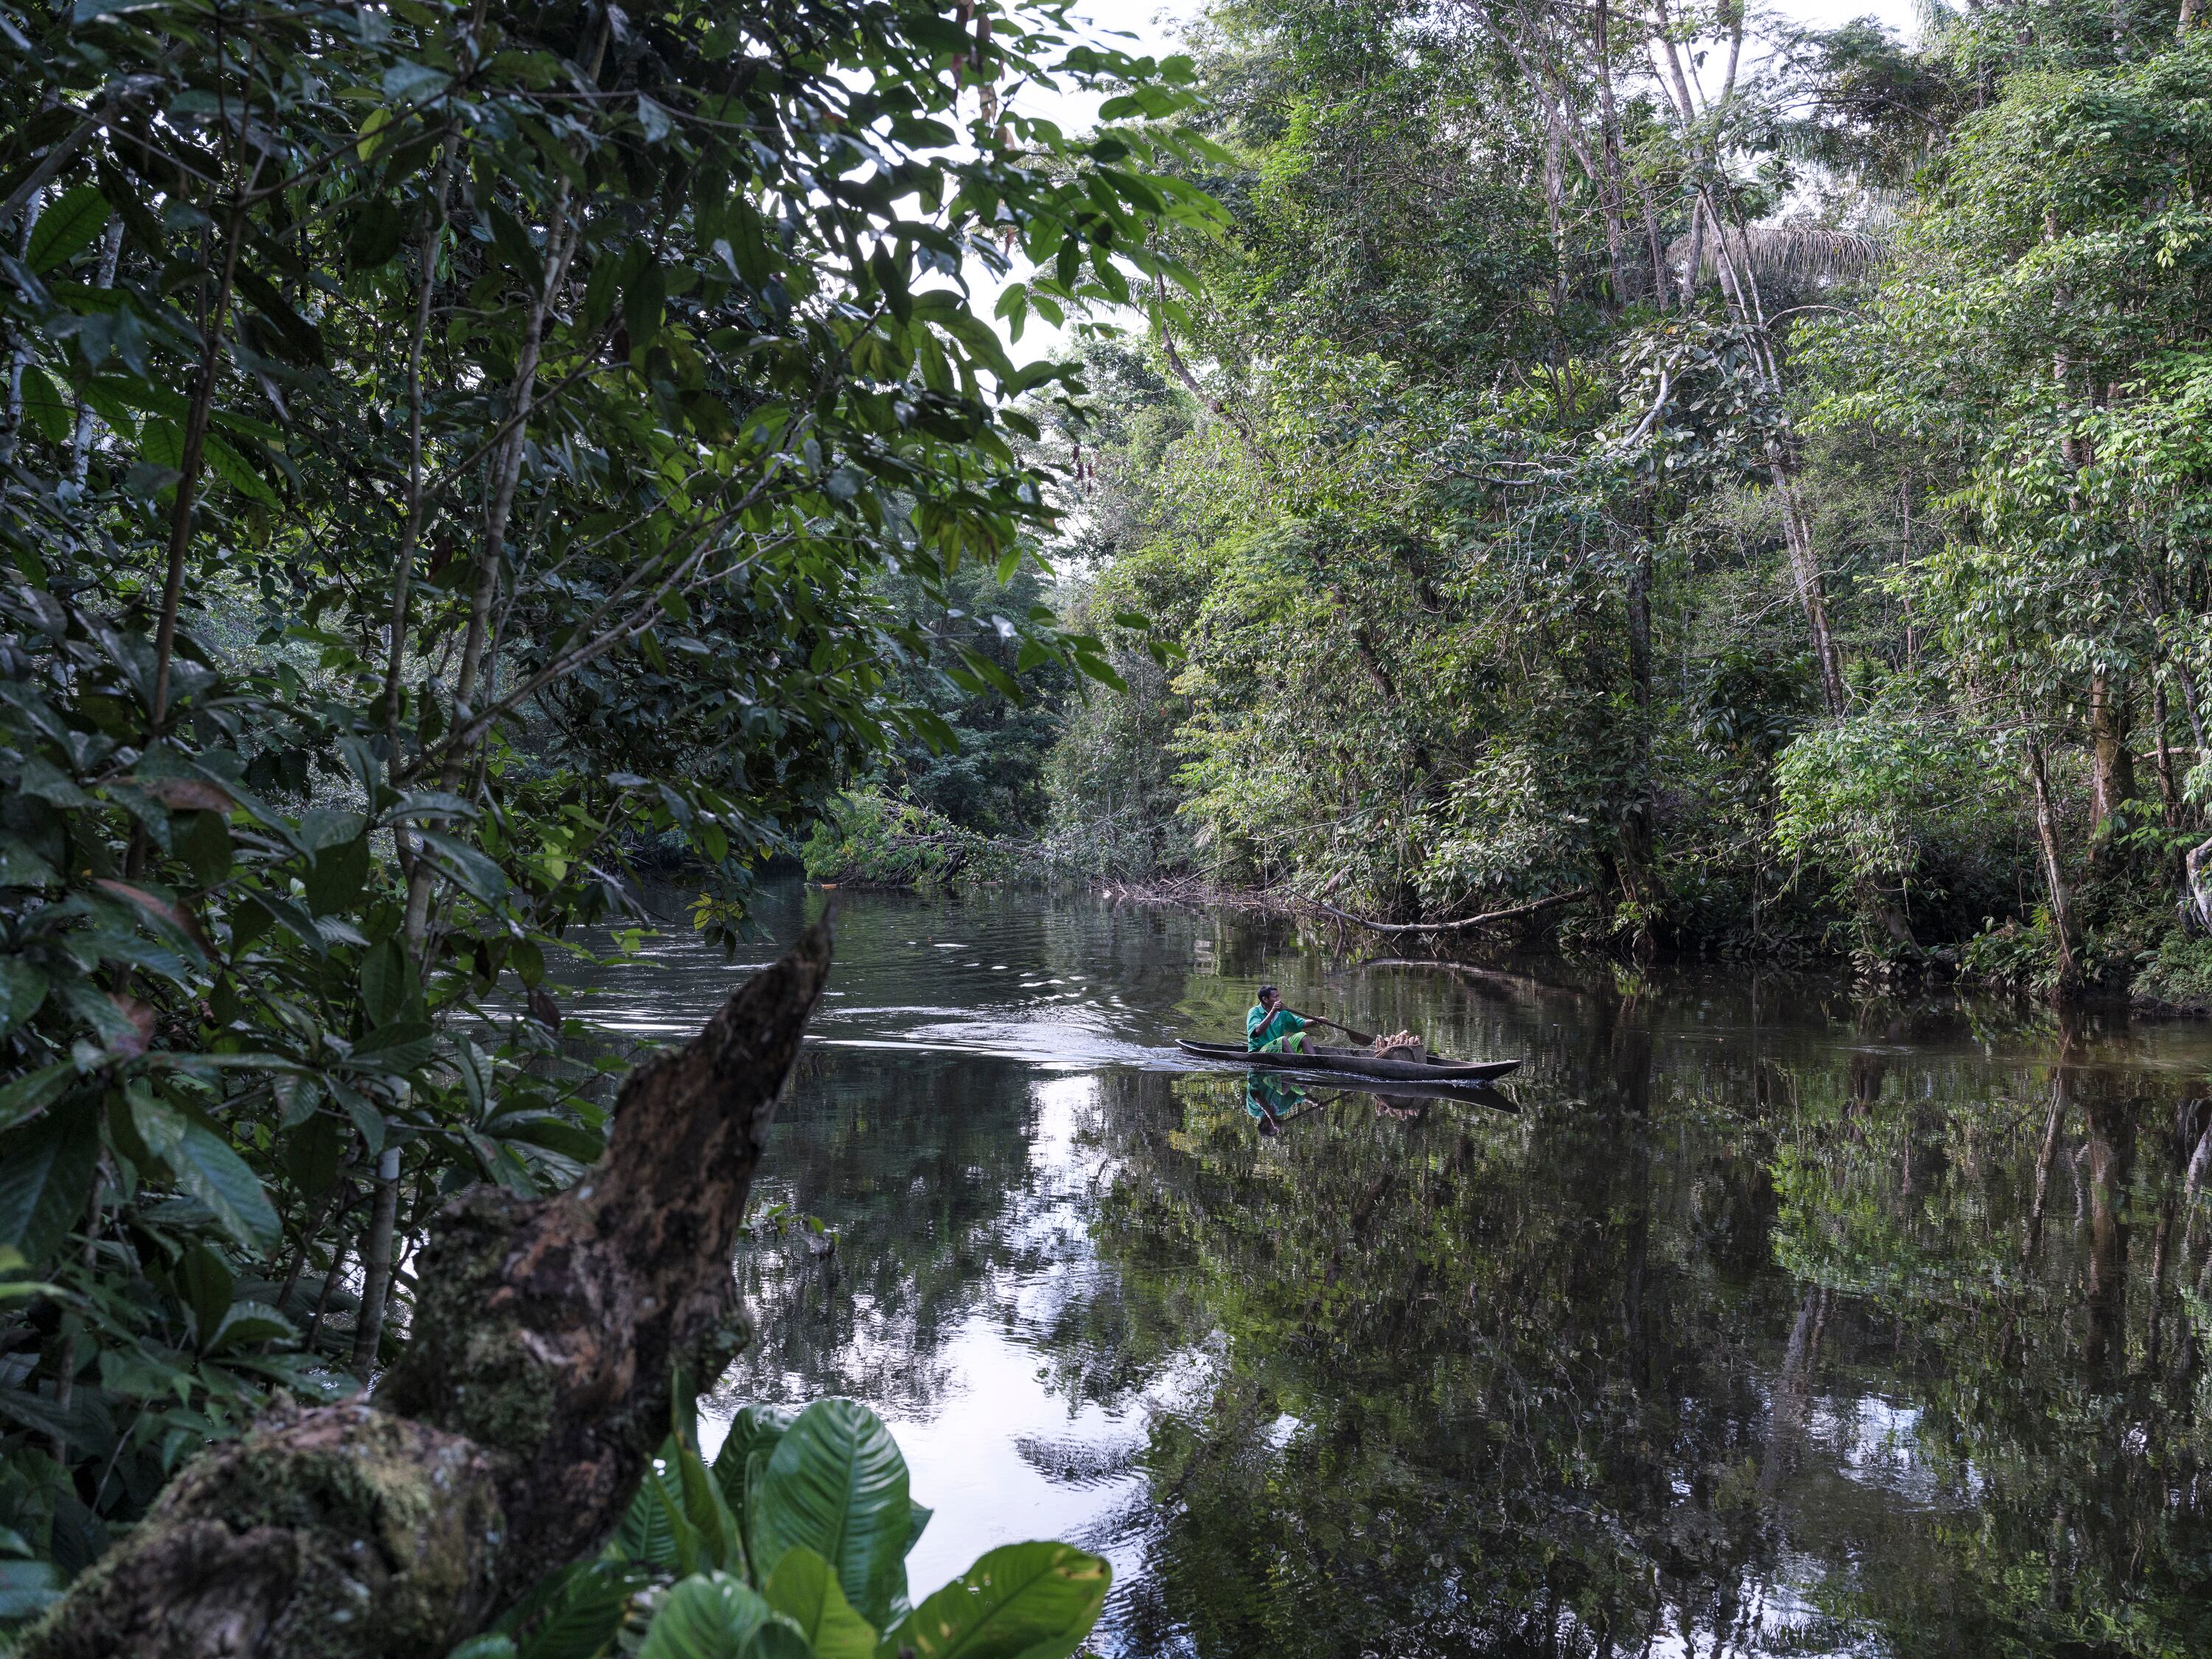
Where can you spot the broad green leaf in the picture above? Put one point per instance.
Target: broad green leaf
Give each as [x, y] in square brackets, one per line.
[706, 1508]
[204, 1166]
[46, 1172]
[647, 1533]
[577, 1612]
[45, 407]
[234, 469]
[476, 874]
[336, 876]
[1020, 1601]
[67, 228]
[804, 1589]
[162, 443]
[301, 337]
[22, 866]
[398, 1047]
[249, 1323]
[778, 1638]
[571, 1140]
[24, 1097]
[488, 1647]
[837, 1484]
[755, 1428]
[207, 1283]
[375, 234]
[384, 992]
[708, 1615]
[645, 292]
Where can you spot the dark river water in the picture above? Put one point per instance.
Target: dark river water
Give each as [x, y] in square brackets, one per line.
[1756, 1315]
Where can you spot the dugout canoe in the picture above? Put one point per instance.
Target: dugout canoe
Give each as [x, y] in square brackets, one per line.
[1320, 1060]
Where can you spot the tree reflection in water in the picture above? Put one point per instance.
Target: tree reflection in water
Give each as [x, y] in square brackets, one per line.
[1844, 1327]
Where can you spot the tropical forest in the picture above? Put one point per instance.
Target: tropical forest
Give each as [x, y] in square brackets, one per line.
[667, 675]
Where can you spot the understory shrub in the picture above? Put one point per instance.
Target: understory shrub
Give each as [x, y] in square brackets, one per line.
[866, 839]
[793, 1545]
[2180, 974]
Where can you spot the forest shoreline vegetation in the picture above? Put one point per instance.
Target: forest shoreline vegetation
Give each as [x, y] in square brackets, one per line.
[1772, 503]
[456, 458]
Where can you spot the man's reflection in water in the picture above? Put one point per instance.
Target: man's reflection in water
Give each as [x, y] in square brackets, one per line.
[1270, 1098]
[1273, 1100]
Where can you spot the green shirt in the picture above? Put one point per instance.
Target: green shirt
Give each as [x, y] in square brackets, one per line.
[1262, 1028]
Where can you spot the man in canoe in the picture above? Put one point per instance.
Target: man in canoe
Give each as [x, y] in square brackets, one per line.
[1272, 1029]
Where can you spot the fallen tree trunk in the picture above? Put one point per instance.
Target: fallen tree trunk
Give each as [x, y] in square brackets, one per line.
[510, 1437]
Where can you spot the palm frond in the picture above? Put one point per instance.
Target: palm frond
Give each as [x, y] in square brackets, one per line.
[1795, 256]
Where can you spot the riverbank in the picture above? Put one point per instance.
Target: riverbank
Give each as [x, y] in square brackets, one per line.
[875, 845]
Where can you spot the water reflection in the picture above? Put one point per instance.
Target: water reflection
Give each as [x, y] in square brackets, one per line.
[1774, 1322]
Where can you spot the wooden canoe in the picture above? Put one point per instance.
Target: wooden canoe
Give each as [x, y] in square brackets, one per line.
[1319, 1060]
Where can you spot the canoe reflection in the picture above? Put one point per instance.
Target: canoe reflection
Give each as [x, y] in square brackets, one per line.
[1272, 1099]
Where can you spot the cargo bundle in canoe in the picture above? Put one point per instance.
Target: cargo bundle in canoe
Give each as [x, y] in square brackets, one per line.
[1323, 1061]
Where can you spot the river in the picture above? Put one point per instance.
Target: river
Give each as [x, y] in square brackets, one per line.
[1757, 1316]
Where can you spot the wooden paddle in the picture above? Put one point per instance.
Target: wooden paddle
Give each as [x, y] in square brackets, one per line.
[1365, 1039]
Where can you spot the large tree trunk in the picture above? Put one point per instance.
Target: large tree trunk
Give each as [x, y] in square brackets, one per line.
[509, 1438]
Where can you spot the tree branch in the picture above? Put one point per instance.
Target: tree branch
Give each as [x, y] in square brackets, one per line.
[1464, 922]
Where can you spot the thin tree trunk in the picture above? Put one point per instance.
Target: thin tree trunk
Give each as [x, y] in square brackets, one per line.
[2054, 867]
[506, 469]
[195, 449]
[19, 359]
[412, 530]
[376, 1264]
[2190, 707]
[1812, 591]
[87, 423]
[332, 1280]
[2053, 1124]
[2105, 1304]
[1616, 197]
[2169, 790]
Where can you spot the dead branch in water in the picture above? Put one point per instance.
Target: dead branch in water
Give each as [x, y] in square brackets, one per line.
[1488, 919]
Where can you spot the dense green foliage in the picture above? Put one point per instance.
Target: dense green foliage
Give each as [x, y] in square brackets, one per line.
[791, 1544]
[1761, 480]
[449, 453]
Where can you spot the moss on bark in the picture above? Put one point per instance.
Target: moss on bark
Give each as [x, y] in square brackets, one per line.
[342, 1533]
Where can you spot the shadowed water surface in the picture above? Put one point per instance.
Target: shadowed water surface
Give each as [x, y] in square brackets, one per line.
[1759, 1317]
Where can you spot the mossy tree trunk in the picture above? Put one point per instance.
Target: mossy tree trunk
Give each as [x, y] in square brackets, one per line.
[509, 1437]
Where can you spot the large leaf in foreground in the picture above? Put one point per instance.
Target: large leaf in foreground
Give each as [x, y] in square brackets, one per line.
[838, 1486]
[204, 1166]
[45, 1172]
[575, 1613]
[805, 1590]
[755, 1428]
[1020, 1601]
[711, 1615]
